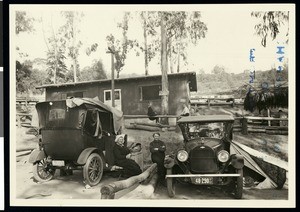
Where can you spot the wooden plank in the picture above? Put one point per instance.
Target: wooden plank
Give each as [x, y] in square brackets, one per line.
[277, 128]
[142, 127]
[266, 118]
[237, 130]
[151, 124]
[146, 116]
[277, 132]
[256, 130]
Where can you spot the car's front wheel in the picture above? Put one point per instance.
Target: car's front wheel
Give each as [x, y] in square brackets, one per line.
[170, 184]
[93, 169]
[43, 171]
[238, 191]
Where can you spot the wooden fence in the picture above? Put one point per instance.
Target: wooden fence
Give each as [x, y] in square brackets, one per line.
[255, 125]
[215, 101]
[244, 124]
[21, 119]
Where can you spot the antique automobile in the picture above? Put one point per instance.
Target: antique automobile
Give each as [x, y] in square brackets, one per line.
[204, 158]
[75, 134]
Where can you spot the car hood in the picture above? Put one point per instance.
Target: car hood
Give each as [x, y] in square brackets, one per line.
[211, 142]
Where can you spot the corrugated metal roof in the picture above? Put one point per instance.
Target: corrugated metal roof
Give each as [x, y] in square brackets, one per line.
[206, 118]
[191, 75]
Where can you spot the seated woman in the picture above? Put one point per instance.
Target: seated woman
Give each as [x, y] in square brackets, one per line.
[122, 156]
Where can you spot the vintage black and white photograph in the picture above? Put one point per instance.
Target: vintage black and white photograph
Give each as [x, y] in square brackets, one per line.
[152, 105]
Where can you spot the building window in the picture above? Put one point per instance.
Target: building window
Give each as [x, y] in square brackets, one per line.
[150, 92]
[107, 95]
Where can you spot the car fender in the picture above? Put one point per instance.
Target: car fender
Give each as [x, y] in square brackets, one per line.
[169, 162]
[237, 161]
[36, 155]
[86, 153]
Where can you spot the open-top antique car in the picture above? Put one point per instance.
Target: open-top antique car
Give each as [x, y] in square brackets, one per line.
[205, 157]
[76, 133]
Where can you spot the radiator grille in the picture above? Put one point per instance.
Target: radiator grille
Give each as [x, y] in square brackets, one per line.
[203, 160]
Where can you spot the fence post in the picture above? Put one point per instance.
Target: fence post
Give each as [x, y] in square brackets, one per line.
[244, 126]
[269, 122]
[208, 103]
[19, 121]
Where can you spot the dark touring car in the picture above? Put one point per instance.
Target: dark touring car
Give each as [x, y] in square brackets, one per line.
[205, 158]
[76, 133]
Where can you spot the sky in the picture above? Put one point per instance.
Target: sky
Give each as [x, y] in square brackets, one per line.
[229, 38]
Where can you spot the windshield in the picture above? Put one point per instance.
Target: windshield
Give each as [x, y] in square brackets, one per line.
[211, 130]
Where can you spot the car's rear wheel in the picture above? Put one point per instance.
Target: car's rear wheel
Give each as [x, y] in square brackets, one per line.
[170, 184]
[93, 169]
[43, 171]
[238, 191]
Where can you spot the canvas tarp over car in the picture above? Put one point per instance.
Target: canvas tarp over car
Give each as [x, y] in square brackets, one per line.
[117, 114]
[272, 169]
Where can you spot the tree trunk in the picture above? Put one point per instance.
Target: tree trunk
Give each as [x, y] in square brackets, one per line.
[178, 59]
[143, 191]
[145, 45]
[74, 55]
[118, 74]
[170, 49]
[55, 52]
[108, 191]
[164, 67]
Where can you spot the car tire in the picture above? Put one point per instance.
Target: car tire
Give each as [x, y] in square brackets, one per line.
[93, 169]
[42, 171]
[238, 193]
[170, 184]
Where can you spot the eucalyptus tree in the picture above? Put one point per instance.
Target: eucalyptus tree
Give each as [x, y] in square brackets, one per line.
[56, 52]
[150, 24]
[183, 28]
[270, 23]
[121, 47]
[71, 31]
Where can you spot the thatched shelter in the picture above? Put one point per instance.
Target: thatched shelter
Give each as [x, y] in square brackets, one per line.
[266, 97]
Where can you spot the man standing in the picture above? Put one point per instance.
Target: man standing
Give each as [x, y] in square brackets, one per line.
[157, 149]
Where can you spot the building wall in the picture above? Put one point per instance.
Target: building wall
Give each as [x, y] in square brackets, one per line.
[130, 94]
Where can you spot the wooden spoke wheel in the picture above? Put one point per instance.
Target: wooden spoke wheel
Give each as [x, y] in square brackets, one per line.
[93, 169]
[43, 171]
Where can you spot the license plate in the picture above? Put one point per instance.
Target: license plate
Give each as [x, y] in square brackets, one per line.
[204, 180]
[58, 163]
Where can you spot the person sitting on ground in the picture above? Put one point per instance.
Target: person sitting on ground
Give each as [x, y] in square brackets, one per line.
[185, 110]
[122, 156]
[152, 114]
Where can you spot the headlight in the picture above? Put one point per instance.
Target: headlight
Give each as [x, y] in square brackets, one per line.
[223, 156]
[182, 155]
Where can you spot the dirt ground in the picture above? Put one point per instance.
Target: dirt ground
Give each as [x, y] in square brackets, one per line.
[72, 187]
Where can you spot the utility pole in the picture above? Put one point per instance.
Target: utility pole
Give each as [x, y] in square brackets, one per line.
[112, 52]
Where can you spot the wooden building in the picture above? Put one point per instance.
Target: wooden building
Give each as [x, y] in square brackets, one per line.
[131, 94]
